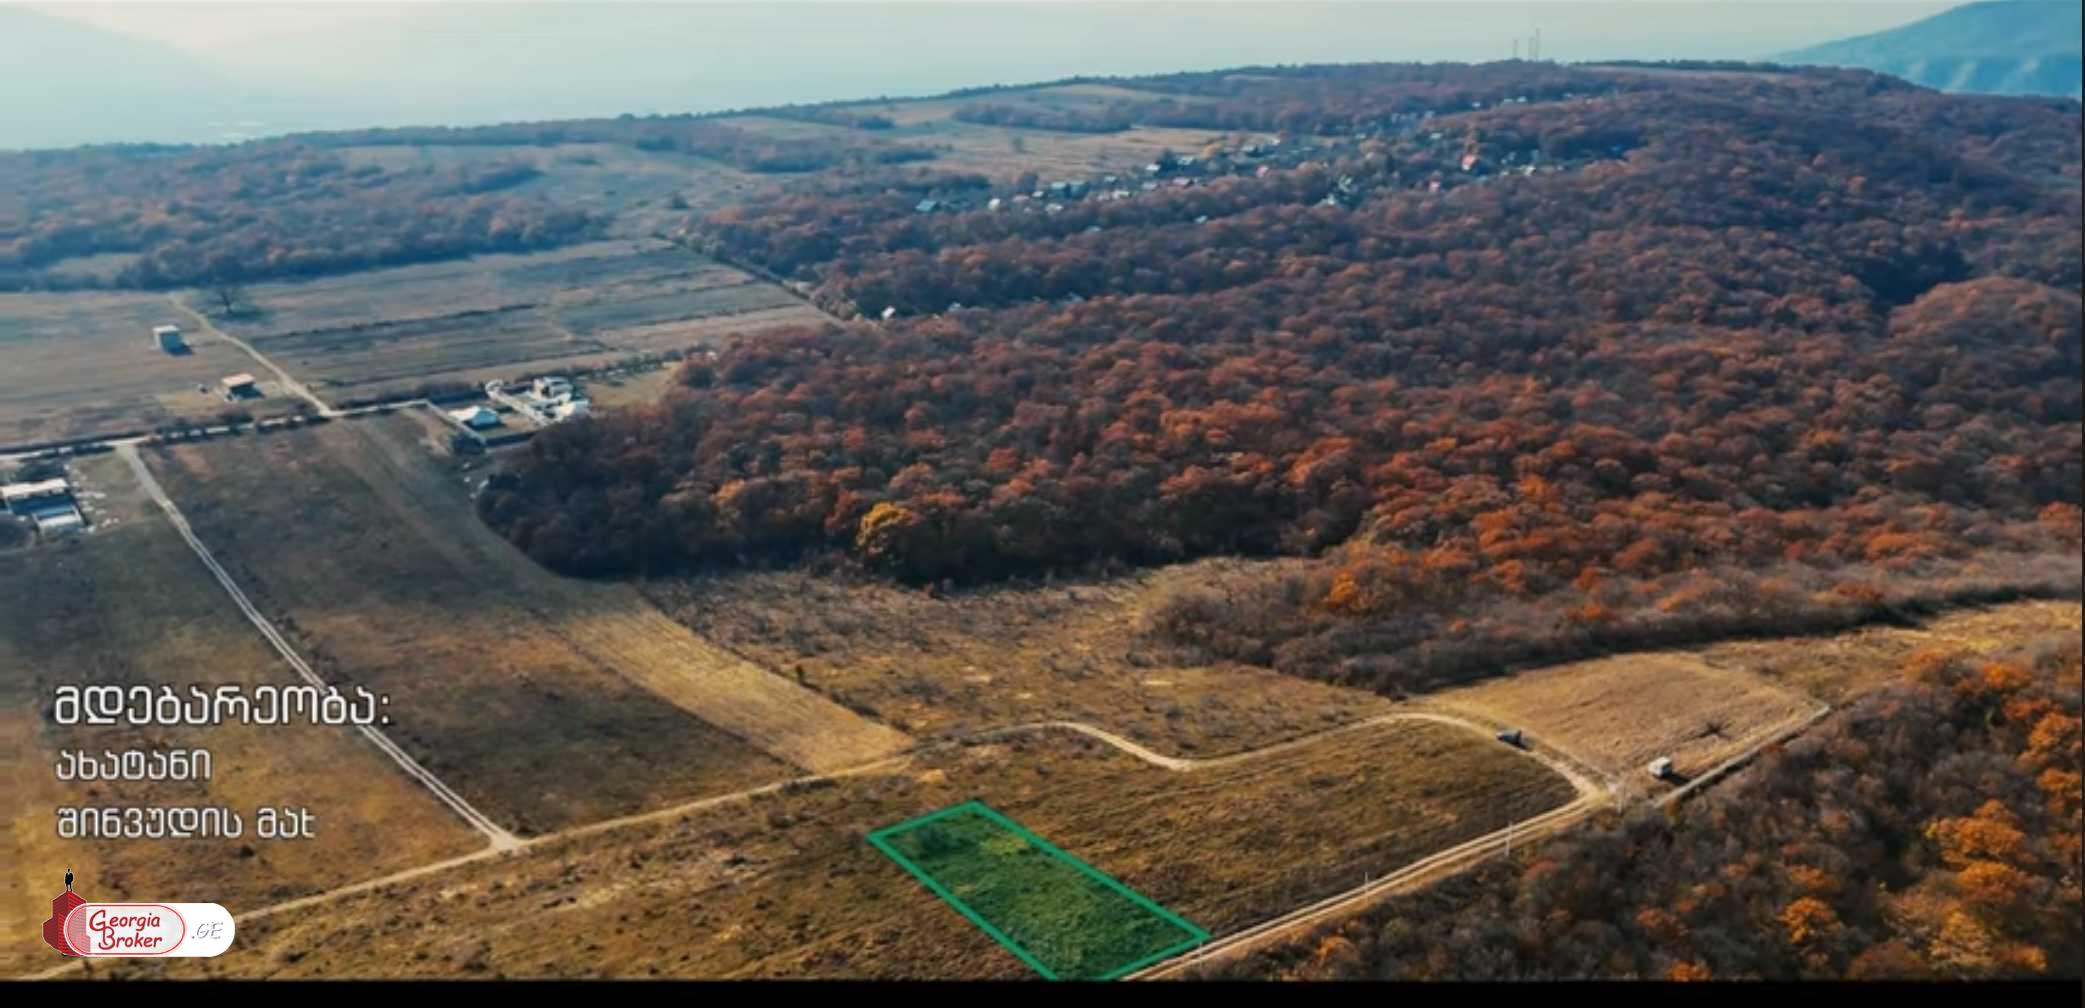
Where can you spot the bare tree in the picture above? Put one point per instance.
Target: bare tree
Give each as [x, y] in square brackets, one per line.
[230, 298]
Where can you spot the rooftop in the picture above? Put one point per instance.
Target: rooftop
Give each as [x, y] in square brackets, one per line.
[41, 488]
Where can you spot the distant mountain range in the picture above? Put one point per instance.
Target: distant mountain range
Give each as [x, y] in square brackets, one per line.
[2001, 47]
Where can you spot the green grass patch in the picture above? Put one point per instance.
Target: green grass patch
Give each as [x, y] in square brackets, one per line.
[1058, 914]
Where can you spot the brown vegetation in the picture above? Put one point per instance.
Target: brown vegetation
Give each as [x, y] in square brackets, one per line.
[195, 215]
[505, 682]
[785, 885]
[385, 333]
[127, 604]
[1620, 713]
[1929, 831]
[1725, 365]
[1006, 654]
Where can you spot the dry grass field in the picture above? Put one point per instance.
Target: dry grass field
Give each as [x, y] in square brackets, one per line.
[1006, 151]
[1619, 713]
[128, 604]
[76, 364]
[633, 187]
[786, 885]
[390, 331]
[1007, 654]
[635, 388]
[1703, 705]
[547, 702]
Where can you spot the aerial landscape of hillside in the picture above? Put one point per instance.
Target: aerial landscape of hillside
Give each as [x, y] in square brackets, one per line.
[1493, 520]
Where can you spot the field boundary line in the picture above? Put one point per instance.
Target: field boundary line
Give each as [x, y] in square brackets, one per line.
[497, 835]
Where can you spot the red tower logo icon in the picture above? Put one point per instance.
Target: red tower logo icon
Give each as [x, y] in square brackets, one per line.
[54, 929]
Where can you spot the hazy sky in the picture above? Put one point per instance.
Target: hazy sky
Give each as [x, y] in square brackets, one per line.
[284, 66]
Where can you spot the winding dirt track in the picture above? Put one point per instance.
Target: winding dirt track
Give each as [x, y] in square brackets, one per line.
[1590, 795]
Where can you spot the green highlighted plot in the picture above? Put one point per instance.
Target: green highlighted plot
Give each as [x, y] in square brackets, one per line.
[1057, 913]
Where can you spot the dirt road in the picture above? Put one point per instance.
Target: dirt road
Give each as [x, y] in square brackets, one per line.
[497, 836]
[294, 386]
[1590, 795]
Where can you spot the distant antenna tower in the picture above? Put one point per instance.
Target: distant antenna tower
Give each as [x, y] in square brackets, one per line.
[1516, 49]
[1535, 45]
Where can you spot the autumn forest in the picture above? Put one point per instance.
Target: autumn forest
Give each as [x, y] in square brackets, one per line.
[1672, 358]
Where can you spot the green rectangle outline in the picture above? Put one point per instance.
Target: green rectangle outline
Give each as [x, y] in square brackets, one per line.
[880, 840]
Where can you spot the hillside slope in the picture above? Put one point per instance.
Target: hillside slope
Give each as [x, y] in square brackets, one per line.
[1685, 353]
[1998, 47]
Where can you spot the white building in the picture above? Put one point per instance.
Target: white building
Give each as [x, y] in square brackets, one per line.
[476, 417]
[20, 497]
[168, 338]
[48, 503]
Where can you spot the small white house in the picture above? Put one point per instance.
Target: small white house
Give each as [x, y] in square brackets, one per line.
[168, 338]
[47, 503]
[551, 387]
[1660, 768]
[240, 386]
